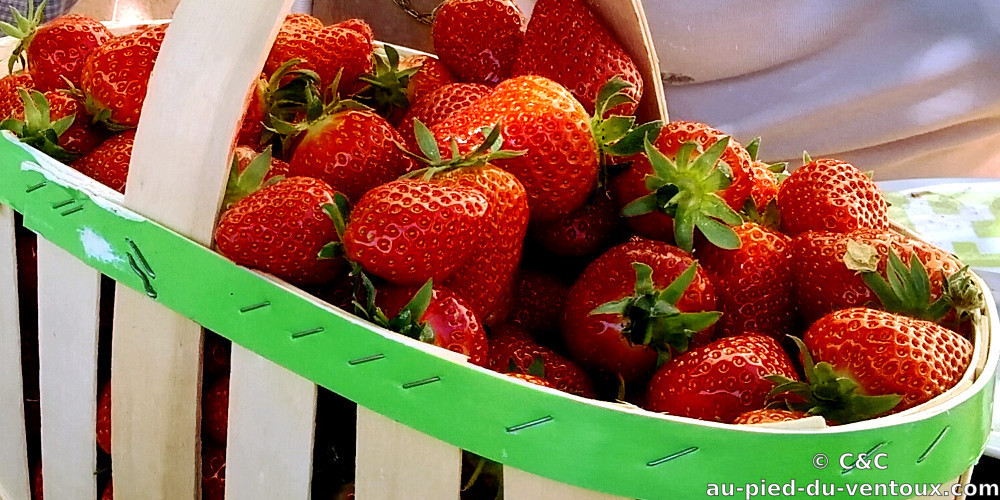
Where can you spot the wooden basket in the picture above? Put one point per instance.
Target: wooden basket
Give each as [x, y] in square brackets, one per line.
[418, 405]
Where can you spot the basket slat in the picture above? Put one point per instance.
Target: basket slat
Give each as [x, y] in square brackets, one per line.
[518, 485]
[270, 443]
[179, 168]
[68, 303]
[14, 452]
[395, 462]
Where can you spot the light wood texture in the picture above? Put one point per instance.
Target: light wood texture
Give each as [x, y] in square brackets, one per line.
[395, 462]
[271, 422]
[68, 303]
[196, 98]
[519, 485]
[14, 451]
[126, 10]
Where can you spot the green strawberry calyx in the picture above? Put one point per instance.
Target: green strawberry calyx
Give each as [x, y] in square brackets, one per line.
[298, 105]
[618, 135]
[37, 129]
[906, 288]
[829, 394]
[242, 184]
[685, 188]
[24, 28]
[487, 152]
[652, 317]
[408, 321]
[386, 89]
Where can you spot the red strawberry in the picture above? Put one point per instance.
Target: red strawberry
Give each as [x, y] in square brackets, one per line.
[116, 74]
[824, 282]
[566, 42]
[327, 50]
[104, 418]
[54, 115]
[108, 163]
[215, 410]
[680, 184]
[830, 195]
[438, 105]
[486, 279]
[217, 355]
[213, 472]
[585, 231]
[250, 171]
[719, 381]
[753, 282]
[432, 75]
[109, 492]
[10, 100]
[538, 303]
[769, 416]
[252, 125]
[437, 316]
[281, 229]
[512, 347]
[408, 231]
[353, 150]
[244, 155]
[60, 48]
[560, 166]
[638, 302]
[358, 25]
[533, 379]
[869, 362]
[478, 39]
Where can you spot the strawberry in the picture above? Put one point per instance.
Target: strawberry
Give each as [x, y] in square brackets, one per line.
[830, 195]
[54, 123]
[109, 492]
[431, 75]
[108, 163]
[538, 302]
[560, 167]
[281, 229]
[439, 104]
[216, 356]
[115, 76]
[691, 176]
[636, 305]
[585, 231]
[764, 179]
[250, 171]
[769, 416]
[215, 410]
[532, 379]
[283, 96]
[408, 231]
[58, 49]
[434, 315]
[753, 282]
[869, 362]
[327, 50]
[213, 472]
[719, 381]
[357, 25]
[351, 148]
[478, 40]
[104, 418]
[567, 42]
[512, 350]
[486, 278]
[10, 99]
[826, 268]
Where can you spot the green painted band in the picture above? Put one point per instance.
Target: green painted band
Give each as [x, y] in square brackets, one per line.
[594, 445]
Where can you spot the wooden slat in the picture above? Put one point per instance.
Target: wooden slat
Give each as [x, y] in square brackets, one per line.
[68, 302]
[179, 166]
[395, 462]
[271, 422]
[518, 485]
[14, 451]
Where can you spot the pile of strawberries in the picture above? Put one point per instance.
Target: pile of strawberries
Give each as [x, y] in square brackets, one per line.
[501, 201]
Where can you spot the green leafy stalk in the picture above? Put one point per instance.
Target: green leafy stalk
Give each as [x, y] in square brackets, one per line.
[488, 151]
[241, 185]
[24, 28]
[386, 89]
[37, 129]
[652, 317]
[828, 393]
